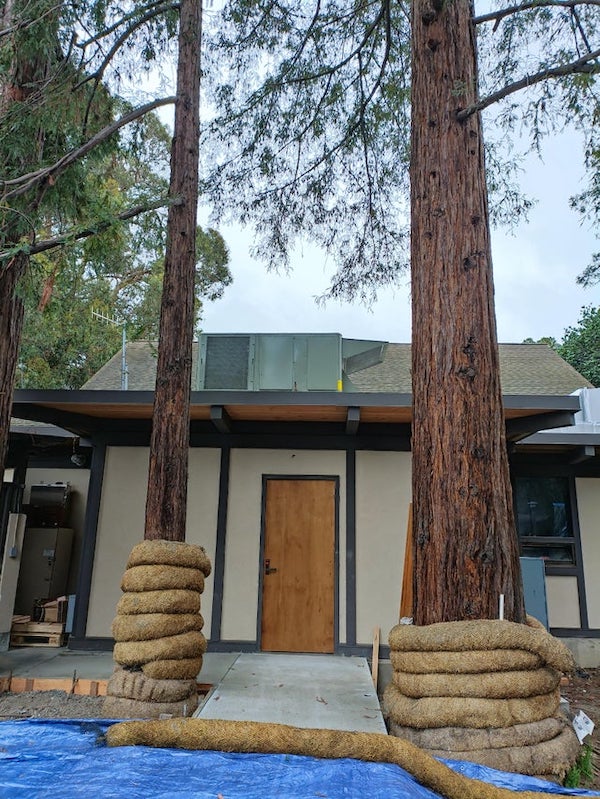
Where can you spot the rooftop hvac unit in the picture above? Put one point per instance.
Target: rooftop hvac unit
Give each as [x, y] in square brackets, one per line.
[270, 362]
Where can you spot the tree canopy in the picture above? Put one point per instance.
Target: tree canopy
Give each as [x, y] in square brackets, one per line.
[310, 131]
[72, 102]
[117, 271]
[580, 344]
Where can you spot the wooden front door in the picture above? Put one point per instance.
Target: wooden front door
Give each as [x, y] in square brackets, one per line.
[298, 583]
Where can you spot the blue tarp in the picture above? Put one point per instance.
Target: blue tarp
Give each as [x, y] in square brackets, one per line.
[67, 759]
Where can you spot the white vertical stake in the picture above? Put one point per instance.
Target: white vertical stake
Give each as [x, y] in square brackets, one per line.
[501, 607]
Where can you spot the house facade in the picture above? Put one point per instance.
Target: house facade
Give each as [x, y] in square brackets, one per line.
[300, 486]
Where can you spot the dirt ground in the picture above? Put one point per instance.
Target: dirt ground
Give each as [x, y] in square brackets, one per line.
[582, 693]
[49, 705]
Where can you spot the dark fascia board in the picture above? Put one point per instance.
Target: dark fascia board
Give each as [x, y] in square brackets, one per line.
[71, 421]
[40, 431]
[524, 426]
[542, 402]
[50, 397]
[573, 439]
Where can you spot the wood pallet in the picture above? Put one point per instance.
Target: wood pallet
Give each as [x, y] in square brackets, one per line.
[25, 632]
[37, 639]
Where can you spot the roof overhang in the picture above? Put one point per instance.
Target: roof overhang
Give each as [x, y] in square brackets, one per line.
[84, 412]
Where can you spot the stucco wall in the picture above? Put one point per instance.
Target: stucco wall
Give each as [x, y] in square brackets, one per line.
[588, 502]
[121, 524]
[562, 598]
[383, 494]
[242, 551]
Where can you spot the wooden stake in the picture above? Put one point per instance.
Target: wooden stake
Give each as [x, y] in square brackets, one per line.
[406, 596]
[375, 656]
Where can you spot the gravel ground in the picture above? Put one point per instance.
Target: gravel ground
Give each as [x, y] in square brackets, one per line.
[50, 705]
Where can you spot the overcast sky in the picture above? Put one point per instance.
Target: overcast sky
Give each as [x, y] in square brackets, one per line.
[534, 272]
[535, 269]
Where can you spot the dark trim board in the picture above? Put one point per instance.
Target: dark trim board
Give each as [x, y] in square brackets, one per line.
[363, 650]
[233, 646]
[91, 644]
[220, 544]
[351, 546]
[582, 596]
[88, 546]
[574, 632]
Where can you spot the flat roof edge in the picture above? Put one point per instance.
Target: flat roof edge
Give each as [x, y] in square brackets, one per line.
[539, 402]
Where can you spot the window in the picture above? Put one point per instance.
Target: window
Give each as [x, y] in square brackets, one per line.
[544, 519]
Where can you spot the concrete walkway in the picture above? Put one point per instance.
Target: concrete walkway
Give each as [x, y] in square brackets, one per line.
[323, 691]
[326, 691]
[62, 663]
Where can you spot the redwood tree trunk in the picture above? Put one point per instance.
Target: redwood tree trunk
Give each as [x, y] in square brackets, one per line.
[11, 324]
[465, 544]
[168, 473]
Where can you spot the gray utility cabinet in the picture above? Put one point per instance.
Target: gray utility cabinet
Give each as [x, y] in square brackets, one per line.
[44, 566]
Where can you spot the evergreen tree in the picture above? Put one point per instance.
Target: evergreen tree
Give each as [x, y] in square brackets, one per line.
[117, 272]
[312, 107]
[58, 118]
[580, 344]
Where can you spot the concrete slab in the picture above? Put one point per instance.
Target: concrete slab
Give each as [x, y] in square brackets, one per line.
[56, 663]
[326, 691]
[61, 663]
[323, 691]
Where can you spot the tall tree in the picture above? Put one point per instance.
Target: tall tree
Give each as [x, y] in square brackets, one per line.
[311, 123]
[462, 503]
[166, 498]
[56, 117]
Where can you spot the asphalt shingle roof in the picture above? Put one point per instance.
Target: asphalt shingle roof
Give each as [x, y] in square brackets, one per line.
[527, 369]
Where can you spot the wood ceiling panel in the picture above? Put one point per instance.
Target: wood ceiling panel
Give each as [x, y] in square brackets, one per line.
[287, 413]
[265, 413]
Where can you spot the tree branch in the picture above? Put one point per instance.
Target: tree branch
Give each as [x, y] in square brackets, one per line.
[23, 25]
[33, 178]
[83, 233]
[98, 74]
[158, 7]
[497, 16]
[583, 65]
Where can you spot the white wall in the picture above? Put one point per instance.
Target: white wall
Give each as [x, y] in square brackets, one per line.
[588, 502]
[9, 574]
[121, 524]
[383, 495]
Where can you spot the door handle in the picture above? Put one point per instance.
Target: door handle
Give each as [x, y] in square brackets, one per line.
[268, 568]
